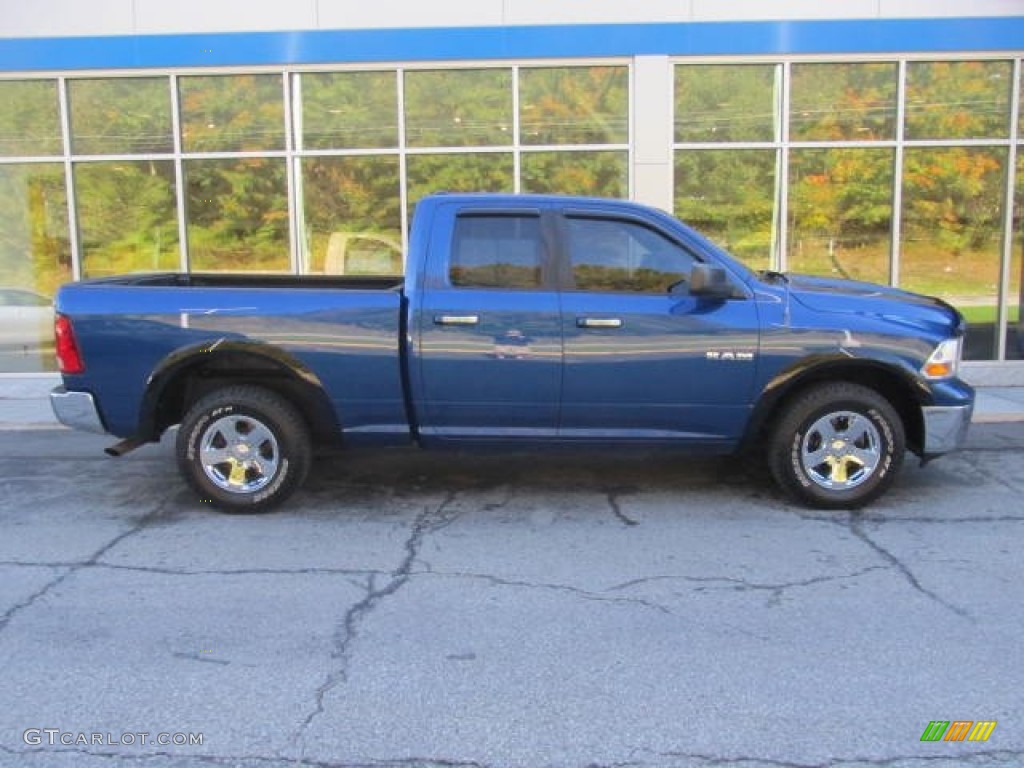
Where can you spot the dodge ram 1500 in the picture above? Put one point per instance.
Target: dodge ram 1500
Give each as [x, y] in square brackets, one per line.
[521, 321]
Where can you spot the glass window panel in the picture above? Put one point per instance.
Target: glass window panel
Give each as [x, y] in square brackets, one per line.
[623, 256]
[30, 118]
[601, 174]
[481, 172]
[238, 215]
[1015, 322]
[951, 237]
[840, 212]
[497, 252]
[120, 116]
[35, 258]
[574, 105]
[958, 99]
[843, 102]
[729, 195]
[352, 215]
[458, 108]
[127, 217]
[231, 113]
[725, 102]
[343, 110]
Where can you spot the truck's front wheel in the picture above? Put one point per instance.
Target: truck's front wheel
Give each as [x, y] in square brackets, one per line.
[839, 446]
[243, 448]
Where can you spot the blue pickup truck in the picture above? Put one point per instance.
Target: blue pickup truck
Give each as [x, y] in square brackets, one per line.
[521, 321]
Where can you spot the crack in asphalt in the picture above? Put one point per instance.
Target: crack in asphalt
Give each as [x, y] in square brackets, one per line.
[743, 585]
[168, 571]
[583, 594]
[200, 657]
[613, 495]
[983, 469]
[854, 524]
[74, 568]
[427, 522]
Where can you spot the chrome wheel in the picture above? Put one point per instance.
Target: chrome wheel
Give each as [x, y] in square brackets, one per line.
[841, 450]
[239, 454]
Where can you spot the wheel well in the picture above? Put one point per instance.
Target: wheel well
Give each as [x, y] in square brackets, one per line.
[891, 385]
[170, 395]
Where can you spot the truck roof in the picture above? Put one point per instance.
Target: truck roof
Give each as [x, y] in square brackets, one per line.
[540, 199]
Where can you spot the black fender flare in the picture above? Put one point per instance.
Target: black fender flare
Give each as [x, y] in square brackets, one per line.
[274, 363]
[895, 382]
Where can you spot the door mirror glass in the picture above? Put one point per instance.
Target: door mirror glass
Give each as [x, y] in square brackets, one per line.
[710, 282]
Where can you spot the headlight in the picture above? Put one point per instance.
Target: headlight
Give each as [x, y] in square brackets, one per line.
[944, 361]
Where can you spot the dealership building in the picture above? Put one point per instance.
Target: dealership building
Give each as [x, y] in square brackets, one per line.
[878, 140]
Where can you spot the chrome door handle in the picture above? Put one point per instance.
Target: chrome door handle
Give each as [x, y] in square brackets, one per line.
[456, 319]
[598, 322]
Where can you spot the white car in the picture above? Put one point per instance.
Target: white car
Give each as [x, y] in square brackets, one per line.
[26, 321]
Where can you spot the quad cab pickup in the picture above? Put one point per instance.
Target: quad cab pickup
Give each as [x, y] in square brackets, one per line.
[521, 321]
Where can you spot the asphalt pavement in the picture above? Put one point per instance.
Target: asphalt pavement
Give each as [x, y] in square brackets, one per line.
[435, 610]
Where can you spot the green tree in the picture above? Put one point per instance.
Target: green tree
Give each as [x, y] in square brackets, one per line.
[126, 216]
[458, 107]
[30, 119]
[725, 102]
[238, 214]
[118, 116]
[232, 113]
[598, 173]
[574, 105]
[349, 110]
[954, 196]
[729, 195]
[35, 250]
[840, 209]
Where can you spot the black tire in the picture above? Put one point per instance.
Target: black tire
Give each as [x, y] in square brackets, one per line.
[838, 446]
[244, 449]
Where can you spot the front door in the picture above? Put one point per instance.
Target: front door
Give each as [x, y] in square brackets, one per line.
[645, 360]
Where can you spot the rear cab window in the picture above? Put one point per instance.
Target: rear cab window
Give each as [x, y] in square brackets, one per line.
[497, 251]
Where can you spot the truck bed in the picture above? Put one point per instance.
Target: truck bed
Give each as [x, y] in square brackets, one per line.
[342, 331]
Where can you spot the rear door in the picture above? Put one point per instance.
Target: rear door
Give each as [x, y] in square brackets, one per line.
[645, 360]
[489, 337]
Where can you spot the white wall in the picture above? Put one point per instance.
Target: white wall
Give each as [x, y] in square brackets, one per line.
[45, 18]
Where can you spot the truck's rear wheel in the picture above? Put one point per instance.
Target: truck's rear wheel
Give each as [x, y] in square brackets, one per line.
[243, 448]
[839, 446]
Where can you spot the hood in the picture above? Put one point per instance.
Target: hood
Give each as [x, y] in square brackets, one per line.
[824, 294]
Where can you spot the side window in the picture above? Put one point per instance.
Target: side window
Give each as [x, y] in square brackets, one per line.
[496, 251]
[624, 256]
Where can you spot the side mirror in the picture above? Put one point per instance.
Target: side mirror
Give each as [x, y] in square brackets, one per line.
[710, 282]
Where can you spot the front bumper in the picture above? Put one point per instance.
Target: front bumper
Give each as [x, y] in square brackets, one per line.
[945, 427]
[76, 410]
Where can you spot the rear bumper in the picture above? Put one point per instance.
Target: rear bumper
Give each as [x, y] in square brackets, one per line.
[76, 410]
[945, 427]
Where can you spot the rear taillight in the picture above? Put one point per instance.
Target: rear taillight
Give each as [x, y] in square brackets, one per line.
[68, 356]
